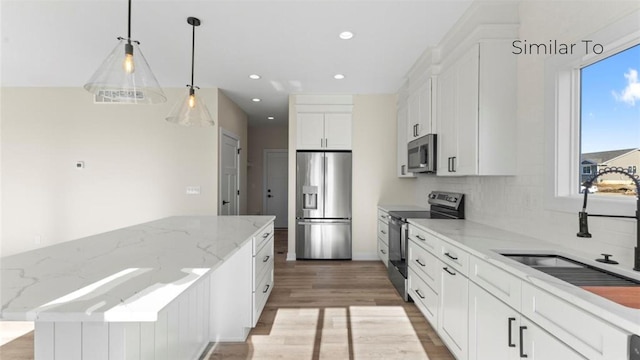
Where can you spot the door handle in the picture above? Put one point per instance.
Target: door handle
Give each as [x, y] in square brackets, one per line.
[266, 289]
[448, 271]
[420, 262]
[266, 258]
[522, 354]
[419, 293]
[510, 341]
[450, 256]
[453, 164]
[224, 202]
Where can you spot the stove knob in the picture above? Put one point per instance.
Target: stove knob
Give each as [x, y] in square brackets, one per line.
[432, 196]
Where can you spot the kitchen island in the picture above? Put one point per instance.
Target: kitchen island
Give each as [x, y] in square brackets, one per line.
[163, 289]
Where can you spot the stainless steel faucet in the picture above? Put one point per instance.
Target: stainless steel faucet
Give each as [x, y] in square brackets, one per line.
[583, 215]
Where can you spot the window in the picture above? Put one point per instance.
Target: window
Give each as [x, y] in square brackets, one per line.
[610, 111]
[586, 170]
[564, 113]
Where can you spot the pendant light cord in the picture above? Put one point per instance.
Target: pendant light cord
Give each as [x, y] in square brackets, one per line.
[193, 51]
[129, 24]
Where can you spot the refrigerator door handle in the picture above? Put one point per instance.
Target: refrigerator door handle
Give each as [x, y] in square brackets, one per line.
[320, 222]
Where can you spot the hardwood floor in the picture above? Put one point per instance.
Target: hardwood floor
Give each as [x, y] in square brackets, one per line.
[322, 310]
[335, 310]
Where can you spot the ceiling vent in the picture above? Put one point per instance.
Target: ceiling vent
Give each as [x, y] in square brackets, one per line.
[118, 96]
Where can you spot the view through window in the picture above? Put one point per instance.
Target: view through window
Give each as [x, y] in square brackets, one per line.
[610, 121]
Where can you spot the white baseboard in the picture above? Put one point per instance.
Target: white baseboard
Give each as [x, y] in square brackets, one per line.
[291, 256]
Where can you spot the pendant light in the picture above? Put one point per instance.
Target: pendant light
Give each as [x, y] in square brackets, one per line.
[191, 110]
[125, 75]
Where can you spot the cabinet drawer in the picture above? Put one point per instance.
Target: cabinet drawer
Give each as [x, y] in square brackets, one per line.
[424, 239]
[425, 298]
[424, 264]
[584, 332]
[259, 240]
[383, 231]
[263, 261]
[383, 252]
[383, 216]
[261, 294]
[496, 281]
[454, 256]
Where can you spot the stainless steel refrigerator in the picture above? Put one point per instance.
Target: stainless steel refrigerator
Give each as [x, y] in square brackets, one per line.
[323, 205]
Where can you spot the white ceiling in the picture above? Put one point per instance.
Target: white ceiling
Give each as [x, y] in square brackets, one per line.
[293, 45]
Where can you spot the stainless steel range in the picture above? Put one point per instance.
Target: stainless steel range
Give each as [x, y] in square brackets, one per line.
[443, 205]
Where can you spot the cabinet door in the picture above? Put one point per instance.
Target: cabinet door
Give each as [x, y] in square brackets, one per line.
[467, 80]
[402, 143]
[453, 321]
[538, 344]
[424, 119]
[337, 131]
[413, 115]
[310, 131]
[446, 119]
[493, 327]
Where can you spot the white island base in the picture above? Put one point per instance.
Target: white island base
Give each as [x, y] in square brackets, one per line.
[213, 304]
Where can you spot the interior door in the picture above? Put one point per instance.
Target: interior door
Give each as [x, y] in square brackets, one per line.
[276, 166]
[228, 197]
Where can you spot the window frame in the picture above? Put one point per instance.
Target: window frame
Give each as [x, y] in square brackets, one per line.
[562, 122]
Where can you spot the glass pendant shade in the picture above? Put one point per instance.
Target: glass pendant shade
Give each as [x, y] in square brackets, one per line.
[190, 110]
[125, 77]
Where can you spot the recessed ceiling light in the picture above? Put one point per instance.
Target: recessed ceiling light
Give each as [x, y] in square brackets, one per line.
[254, 76]
[270, 118]
[346, 35]
[338, 76]
[255, 100]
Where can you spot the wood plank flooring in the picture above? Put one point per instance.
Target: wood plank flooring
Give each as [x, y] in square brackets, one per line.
[335, 310]
[322, 310]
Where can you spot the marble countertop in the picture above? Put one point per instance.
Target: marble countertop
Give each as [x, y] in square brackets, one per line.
[487, 243]
[387, 208]
[128, 274]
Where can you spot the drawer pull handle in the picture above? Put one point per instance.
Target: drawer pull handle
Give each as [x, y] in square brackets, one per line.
[449, 271]
[511, 320]
[420, 238]
[419, 293]
[266, 235]
[384, 232]
[450, 256]
[266, 288]
[266, 258]
[522, 354]
[420, 262]
[382, 251]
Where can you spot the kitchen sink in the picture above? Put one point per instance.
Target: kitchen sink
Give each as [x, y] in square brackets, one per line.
[572, 271]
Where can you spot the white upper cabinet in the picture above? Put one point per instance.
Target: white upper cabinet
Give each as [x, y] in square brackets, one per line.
[476, 110]
[324, 122]
[402, 168]
[419, 111]
[310, 130]
[337, 131]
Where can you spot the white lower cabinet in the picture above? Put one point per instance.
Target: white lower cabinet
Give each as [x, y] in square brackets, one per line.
[537, 344]
[426, 299]
[454, 311]
[493, 327]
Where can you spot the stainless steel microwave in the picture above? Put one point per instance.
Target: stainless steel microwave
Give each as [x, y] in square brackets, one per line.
[422, 154]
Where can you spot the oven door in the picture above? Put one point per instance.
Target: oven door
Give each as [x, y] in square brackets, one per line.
[397, 255]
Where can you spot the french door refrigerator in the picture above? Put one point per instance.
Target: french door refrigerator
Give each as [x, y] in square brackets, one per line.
[323, 205]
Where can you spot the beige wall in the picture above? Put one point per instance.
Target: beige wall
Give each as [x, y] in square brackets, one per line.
[374, 170]
[234, 120]
[137, 165]
[261, 138]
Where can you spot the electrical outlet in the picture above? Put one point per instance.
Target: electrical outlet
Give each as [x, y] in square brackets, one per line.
[79, 164]
[193, 190]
